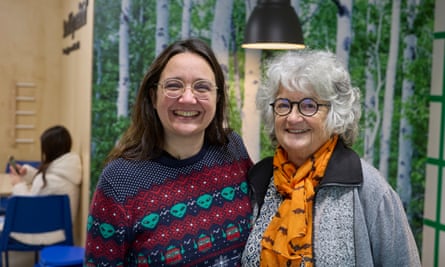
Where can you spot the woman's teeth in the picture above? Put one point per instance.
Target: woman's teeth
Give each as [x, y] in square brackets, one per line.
[186, 113]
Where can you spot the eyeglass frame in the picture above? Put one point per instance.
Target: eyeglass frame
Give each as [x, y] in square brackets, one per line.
[292, 103]
[184, 87]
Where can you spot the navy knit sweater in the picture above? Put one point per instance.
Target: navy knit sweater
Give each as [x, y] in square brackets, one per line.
[165, 212]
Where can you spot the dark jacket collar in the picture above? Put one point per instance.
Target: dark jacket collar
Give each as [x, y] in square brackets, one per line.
[344, 167]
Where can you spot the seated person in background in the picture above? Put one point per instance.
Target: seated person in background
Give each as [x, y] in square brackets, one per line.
[59, 173]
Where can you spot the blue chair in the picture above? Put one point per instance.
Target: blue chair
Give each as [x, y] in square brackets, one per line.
[34, 215]
[61, 256]
[3, 204]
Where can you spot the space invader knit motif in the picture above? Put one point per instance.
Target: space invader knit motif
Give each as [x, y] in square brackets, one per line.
[166, 212]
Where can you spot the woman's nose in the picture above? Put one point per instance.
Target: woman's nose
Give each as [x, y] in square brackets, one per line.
[294, 114]
[188, 95]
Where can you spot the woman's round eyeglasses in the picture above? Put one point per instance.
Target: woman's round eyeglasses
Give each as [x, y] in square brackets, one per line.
[174, 88]
[307, 106]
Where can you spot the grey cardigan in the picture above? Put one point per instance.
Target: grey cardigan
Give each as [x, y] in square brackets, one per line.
[358, 218]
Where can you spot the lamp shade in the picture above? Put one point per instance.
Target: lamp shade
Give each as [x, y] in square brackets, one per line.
[273, 24]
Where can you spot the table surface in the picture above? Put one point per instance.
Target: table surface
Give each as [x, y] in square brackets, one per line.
[5, 184]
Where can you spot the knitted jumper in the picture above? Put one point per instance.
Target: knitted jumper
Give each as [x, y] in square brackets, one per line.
[164, 212]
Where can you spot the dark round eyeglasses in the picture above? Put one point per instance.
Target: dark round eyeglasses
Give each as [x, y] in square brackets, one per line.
[307, 106]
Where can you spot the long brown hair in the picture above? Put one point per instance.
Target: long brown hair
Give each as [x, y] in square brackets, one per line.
[54, 142]
[144, 139]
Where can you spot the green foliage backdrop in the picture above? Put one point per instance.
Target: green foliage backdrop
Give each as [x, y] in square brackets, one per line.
[319, 26]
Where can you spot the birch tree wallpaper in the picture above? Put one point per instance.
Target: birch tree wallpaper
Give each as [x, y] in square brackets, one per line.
[386, 45]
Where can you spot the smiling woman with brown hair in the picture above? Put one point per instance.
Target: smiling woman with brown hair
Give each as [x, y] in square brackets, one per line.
[174, 190]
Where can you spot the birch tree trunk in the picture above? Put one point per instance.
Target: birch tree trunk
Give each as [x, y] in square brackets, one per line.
[96, 96]
[404, 187]
[373, 82]
[344, 35]
[186, 15]
[236, 70]
[221, 33]
[162, 16]
[124, 64]
[296, 5]
[391, 71]
[251, 123]
[98, 61]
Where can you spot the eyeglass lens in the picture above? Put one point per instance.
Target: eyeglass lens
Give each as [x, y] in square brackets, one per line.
[283, 106]
[174, 88]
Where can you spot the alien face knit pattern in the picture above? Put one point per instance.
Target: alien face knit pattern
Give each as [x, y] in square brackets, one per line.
[168, 212]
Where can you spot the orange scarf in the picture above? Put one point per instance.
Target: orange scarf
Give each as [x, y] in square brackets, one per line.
[288, 239]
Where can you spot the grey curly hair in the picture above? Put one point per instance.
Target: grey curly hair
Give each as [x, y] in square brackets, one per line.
[319, 74]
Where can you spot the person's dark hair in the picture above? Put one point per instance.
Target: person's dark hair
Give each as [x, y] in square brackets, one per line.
[144, 139]
[54, 142]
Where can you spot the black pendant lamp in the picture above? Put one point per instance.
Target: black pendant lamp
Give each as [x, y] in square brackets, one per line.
[273, 24]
